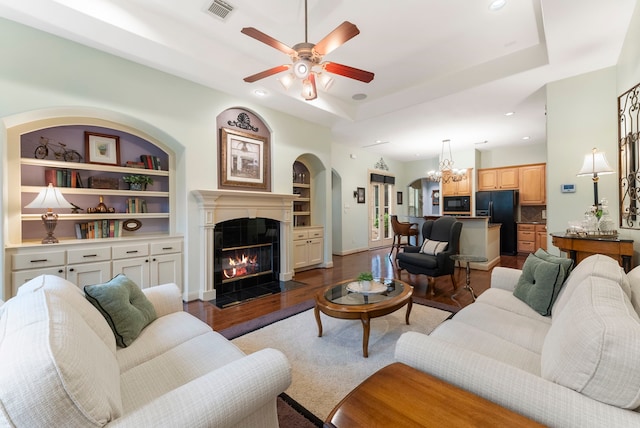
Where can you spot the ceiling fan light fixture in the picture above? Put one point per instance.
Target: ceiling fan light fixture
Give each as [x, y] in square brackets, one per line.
[325, 80]
[302, 68]
[287, 80]
[309, 91]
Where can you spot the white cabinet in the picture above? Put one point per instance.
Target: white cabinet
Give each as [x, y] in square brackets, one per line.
[308, 247]
[150, 264]
[147, 262]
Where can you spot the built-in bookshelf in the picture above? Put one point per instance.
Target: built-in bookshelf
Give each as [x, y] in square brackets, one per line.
[83, 183]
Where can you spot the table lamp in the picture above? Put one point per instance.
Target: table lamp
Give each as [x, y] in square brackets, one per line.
[595, 163]
[49, 198]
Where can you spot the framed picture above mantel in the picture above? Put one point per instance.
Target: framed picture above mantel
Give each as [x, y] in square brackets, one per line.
[244, 161]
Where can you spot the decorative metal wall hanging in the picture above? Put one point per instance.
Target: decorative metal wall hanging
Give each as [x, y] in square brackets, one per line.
[243, 122]
[629, 161]
[381, 165]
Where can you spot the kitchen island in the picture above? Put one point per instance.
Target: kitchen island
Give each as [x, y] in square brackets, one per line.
[479, 238]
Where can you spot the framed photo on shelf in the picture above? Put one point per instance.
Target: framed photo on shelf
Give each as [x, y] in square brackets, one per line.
[399, 198]
[360, 195]
[102, 148]
[244, 160]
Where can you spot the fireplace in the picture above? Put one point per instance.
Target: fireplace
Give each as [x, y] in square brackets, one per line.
[246, 259]
[270, 213]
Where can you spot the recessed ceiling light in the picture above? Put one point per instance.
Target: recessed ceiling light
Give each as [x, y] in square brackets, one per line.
[481, 142]
[260, 92]
[526, 138]
[497, 5]
[359, 97]
[510, 113]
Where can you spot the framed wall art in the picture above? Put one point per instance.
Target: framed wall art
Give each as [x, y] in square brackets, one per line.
[399, 198]
[102, 148]
[244, 160]
[360, 195]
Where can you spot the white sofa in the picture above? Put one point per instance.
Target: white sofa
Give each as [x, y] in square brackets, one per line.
[60, 366]
[578, 368]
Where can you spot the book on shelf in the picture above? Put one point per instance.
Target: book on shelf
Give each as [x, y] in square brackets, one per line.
[151, 162]
[62, 177]
[133, 164]
[99, 229]
[136, 205]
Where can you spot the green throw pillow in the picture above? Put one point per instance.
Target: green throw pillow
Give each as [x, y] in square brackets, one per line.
[539, 284]
[567, 263]
[124, 306]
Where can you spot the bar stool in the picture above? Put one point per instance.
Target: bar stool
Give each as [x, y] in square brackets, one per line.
[401, 229]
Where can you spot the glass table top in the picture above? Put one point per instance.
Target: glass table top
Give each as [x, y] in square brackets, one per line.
[468, 258]
[341, 294]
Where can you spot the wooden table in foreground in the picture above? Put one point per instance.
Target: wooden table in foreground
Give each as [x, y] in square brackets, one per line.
[579, 248]
[400, 396]
[338, 301]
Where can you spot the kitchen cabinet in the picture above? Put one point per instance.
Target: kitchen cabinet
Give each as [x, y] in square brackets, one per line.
[457, 188]
[526, 238]
[541, 236]
[533, 184]
[308, 245]
[531, 237]
[498, 178]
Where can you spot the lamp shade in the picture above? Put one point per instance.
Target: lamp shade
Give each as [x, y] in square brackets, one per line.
[595, 163]
[49, 197]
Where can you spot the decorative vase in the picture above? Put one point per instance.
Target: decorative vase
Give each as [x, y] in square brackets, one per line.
[365, 285]
[136, 186]
[101, 208]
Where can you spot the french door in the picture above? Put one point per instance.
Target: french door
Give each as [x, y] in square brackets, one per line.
[380, 233]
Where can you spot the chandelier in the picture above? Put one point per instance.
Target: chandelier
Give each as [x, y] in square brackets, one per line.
[446, 172]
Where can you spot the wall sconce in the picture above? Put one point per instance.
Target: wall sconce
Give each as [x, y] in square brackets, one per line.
[49, 198]
[355, 194]
[595, 163]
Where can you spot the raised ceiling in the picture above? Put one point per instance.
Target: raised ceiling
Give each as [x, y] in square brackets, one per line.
[444, 69]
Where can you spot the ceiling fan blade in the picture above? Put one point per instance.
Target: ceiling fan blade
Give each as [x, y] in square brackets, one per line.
[267, 73]
[268, 40]
[350, 72]
[344, 32]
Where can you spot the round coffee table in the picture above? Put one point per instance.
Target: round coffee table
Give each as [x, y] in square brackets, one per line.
[338, 301]
[467, 258]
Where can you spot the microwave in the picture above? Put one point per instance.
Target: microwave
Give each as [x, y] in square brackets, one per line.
[456, 204]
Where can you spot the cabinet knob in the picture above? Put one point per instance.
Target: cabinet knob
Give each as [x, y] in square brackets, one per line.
[154, 259]
[71, 269]
[60, 270]
[146, 260]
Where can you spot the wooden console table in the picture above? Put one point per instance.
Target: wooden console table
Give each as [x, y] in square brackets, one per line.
[578, 248]
[400, 396]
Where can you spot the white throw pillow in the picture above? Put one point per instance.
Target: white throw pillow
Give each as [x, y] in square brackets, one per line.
[593, 345]
[433, 247]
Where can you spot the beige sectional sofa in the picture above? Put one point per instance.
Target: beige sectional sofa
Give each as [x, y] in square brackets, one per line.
[579, 367]
[60, 366]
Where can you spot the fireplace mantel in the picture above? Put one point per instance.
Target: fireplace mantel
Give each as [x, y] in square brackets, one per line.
[217, 206]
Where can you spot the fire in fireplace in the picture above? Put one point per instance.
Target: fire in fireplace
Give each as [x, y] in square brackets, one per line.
[246, 259]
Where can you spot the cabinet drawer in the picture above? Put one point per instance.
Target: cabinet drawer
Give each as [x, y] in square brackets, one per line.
[541, 228]
[300, 234]
[127, 251]
[87, 255]
[531, 227]
[166, 247]
[525, 235]
[37, 260]
[315, 233]
[526, 247]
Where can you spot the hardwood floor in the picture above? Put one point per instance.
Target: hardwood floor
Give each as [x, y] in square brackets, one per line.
[345, 267]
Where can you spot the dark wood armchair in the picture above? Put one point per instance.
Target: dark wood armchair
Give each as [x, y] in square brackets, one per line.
[444, 229]
[401, 229]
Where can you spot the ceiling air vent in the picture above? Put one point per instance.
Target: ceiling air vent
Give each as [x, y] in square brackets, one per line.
[220, 9]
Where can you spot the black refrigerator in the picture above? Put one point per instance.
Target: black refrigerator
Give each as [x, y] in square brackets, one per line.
[501, 206]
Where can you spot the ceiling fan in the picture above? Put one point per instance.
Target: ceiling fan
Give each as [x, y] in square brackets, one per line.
[305, 56]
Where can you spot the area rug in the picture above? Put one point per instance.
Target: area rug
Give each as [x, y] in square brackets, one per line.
[327, 368]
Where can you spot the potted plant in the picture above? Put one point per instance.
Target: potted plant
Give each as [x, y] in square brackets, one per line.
[365, 279]
[137, 182]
